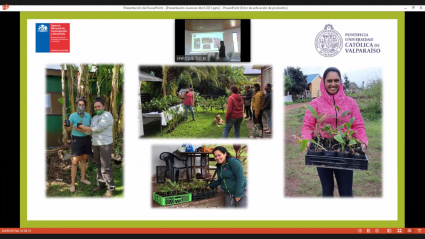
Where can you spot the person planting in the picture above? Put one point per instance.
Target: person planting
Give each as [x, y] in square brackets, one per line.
[80, 142]
[102, 139]
[333, 97]
[231, 178]
[234, 113]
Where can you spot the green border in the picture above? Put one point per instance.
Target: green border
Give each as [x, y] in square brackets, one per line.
[399, 223]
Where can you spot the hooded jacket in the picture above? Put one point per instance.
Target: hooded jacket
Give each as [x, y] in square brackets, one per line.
[234, 107]
[258, 102]
[325, 104]
[230, 177]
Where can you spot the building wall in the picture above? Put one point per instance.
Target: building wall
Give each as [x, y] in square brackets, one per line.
[315, 87]
[227, 38]
[267, 77]
[53, 121]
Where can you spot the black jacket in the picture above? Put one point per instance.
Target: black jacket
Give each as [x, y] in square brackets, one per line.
[247, 96]
[268, 100]
[222, 51]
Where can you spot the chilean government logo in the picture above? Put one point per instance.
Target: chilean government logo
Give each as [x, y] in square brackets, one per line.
[328, 42]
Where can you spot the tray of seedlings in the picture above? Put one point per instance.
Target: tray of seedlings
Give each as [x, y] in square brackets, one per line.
[339, 150]
[200, 190]
[171, 193]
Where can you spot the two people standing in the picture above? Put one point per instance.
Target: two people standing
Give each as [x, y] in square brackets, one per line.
[100, 128]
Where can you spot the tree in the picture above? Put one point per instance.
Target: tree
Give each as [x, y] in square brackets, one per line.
[85, 87]
[70, 76]
[288, 84]
[114, 102]
[346, 82]
[299, 80]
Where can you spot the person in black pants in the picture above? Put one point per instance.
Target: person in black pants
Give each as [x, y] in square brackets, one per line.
[222, 51]
[258, 105]
[247, 96]
[344, 179]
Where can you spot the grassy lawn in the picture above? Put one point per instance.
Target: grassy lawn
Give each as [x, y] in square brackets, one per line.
[303, 181]
[298, 101]
[203, 127]
[61, 189]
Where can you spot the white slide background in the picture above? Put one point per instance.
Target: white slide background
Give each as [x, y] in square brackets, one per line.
[276, 42]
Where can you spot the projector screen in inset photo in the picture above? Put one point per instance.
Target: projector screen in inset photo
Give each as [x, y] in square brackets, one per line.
[212, 40]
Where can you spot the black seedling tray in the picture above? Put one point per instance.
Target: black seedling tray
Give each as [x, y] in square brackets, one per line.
[337, 162]
[202, 196]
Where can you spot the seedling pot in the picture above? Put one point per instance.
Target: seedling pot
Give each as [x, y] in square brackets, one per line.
[357, 156]
[343, 155]
[78, 124]
[312, 152]
[329, 153]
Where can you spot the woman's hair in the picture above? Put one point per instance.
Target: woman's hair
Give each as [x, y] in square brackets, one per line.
[331, 69]
[83, 99]
[256, 85]
[222, 150]
[248, 87]
[234, 89]
[98, 99]
[188, 86]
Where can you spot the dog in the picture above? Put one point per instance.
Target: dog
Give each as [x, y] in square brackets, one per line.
[218, 121]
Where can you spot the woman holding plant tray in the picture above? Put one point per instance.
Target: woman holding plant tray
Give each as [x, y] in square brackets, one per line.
[231, 178]
[102, 139]
[80, 142]
[333, 114]
[189, 100]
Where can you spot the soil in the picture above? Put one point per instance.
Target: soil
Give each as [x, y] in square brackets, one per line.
[57, 169]
[293, 106]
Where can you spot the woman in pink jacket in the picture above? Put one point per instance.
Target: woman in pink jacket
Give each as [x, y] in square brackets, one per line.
[332, 94]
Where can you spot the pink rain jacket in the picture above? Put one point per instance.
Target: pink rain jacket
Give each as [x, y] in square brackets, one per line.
[325, 104]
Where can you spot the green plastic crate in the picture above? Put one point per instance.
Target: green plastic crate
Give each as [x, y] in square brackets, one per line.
[171, 200]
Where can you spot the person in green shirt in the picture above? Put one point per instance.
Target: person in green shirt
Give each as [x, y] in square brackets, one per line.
[231, 178]
[80, 142]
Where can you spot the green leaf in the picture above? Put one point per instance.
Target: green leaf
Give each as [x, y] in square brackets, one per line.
[304, 144]
[339, 139]
[352, 141]
[312, 111]
[337, 107]
[345, 113]
[352, 121]
[60, 100]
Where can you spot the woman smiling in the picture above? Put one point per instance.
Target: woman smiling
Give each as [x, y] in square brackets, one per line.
[230, 178]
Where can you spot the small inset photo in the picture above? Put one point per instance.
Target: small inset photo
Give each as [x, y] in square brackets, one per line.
[216, 40]
[84, 130]
[333, 131]
[223, 101]
[199, 176]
